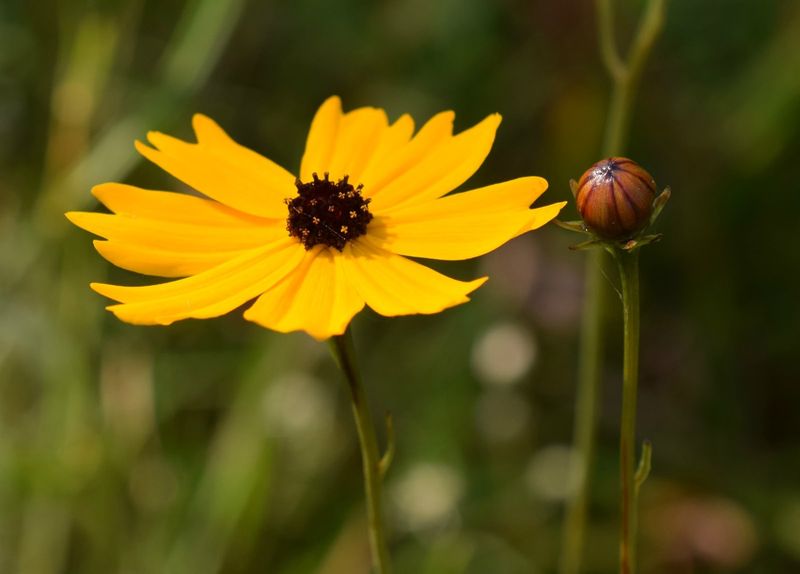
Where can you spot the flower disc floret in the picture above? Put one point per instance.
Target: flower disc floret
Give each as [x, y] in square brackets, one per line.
[328, 213]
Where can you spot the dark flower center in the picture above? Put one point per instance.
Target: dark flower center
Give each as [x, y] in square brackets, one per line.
[327, 212]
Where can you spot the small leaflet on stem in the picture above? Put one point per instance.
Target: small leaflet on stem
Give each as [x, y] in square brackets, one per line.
[659, 203]
[585, 245]
[573, 186]
[643, 470]
[388, 455]
[576, 226]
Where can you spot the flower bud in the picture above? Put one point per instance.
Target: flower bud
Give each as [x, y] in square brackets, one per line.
[615, 198]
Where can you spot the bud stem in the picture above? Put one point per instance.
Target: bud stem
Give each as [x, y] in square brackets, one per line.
[625, 77]
[628, 263]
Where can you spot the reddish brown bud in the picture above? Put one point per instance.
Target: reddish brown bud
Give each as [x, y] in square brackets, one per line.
[615, 198]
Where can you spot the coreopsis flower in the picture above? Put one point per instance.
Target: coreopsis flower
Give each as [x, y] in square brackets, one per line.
[313, 248]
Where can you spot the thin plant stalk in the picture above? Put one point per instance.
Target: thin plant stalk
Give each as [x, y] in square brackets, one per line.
[373, 466]
[625, 76]
[628, 263]
[589, 366]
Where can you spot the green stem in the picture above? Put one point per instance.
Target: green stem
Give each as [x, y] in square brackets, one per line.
[589, 365]
[607, 41]
[343, 352]
[625, 76]
[629, 274]
[618, 118]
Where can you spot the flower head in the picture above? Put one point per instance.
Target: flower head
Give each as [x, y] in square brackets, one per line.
[615, 198]
[311, 249]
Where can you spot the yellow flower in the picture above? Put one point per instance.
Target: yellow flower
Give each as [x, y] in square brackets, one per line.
[314, 249]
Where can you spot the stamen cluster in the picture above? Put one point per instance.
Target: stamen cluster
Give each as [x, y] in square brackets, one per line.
[327, 212]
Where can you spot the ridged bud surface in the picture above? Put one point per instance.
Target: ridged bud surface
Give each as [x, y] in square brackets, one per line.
[615, 197]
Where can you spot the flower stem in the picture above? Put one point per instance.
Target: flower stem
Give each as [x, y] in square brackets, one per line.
[344, 354]
[625, 76]
[628, 263]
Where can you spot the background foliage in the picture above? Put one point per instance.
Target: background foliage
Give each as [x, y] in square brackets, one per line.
[215, 446]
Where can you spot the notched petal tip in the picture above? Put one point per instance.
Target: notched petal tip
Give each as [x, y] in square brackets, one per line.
[324, 336]
[444, 119]
[202, 123]
[101, 190]
[406, 122]
[466, 296]
[318, 335]
[154, 135]
[544, 215]
[143, 148]
[208, 131]
[161, 141]
[106, 250]
[553, 209]
[199, 118]
[535, 186]
[540, 183]
[492, 122]
[103, 289]
[122, 312]
[332, 101]
[476, 284]
[81, 219]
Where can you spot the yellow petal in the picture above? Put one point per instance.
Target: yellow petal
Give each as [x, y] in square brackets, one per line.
[435, 132]
[443, 169]
[317, 298]
[464, 225]
[222, 169]
[176, 236]
[511, 195]
[261, 169]
[159, 262]
[321, 138]
[390, 144]
[359, 133]
[208, 294]
[171, 207]
[393, 285]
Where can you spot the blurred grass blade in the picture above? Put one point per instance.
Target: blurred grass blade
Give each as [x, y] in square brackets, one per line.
[188, 61]
[199, 41]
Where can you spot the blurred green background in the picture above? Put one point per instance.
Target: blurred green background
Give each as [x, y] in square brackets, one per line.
[216, 446]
